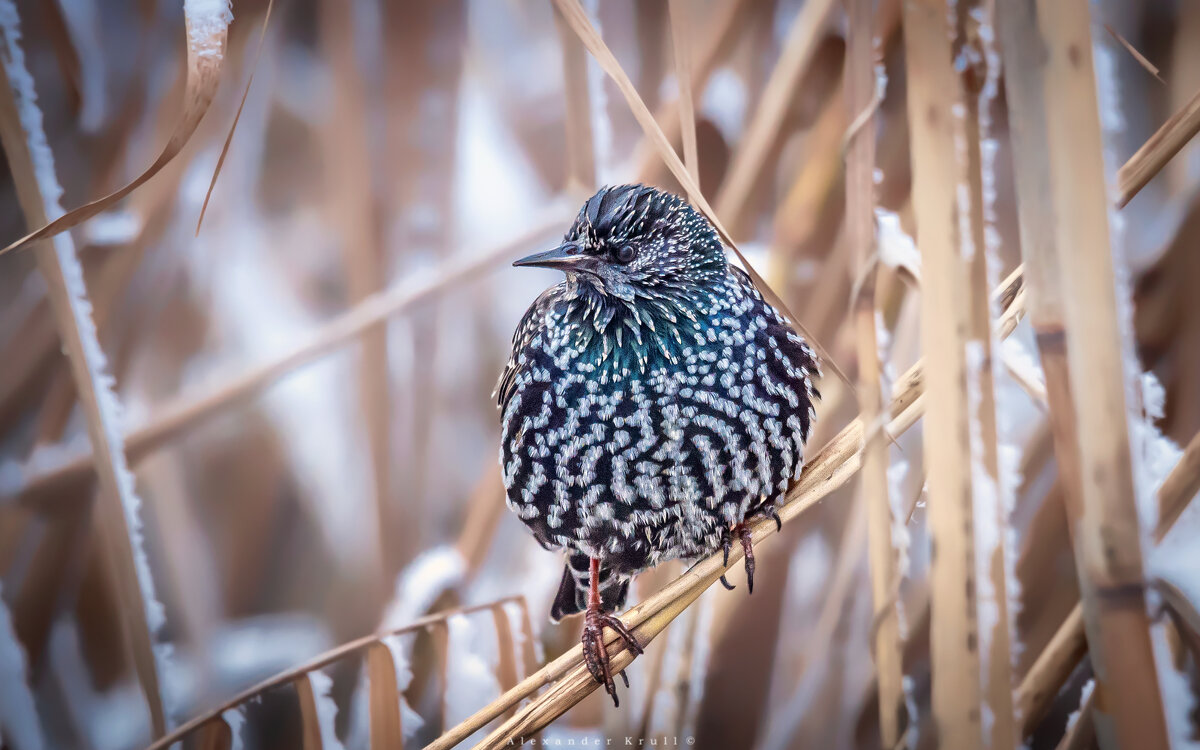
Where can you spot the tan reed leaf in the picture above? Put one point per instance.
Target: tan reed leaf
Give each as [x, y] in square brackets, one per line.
[310, 720]
[206, 37]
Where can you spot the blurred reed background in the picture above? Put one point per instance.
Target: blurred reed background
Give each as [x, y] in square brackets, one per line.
[303, 383]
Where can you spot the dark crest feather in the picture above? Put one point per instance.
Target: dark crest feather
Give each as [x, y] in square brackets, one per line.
[613, 211]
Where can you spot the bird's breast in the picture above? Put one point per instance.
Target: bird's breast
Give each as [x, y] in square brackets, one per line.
[654, 461]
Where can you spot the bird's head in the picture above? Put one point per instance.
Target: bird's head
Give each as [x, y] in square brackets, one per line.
[633, 241]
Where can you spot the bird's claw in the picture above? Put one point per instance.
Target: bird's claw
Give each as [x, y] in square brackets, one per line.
[595, 655]
[727, 544]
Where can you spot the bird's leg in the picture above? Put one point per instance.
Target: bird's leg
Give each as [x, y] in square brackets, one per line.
[743, 532]
[595, 655]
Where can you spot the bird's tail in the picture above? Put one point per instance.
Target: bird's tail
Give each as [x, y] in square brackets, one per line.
[573, 591]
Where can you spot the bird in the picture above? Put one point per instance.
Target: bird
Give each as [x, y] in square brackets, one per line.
[652, 406]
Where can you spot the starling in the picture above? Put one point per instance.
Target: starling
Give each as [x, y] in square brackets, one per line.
[653, 403]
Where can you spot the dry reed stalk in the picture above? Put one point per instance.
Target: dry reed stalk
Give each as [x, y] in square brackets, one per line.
[348, 171]
[215, 734]
[481, 519]
[36, 185]
[808, 211]
[57, 561]
[1107, 531]
[945, 323]
[846, 565]
[386, 730]
[826, 471]
[212, 184]
[1068, 646]
[858, 81]
[1050, 671]
[1180, 486]
[174, 419]
[750, 157]
[977, 92]
[320, 661]
[653, 671]
[310, 718]
[1082, 734]
[1141, 59]
[506, 647]
[1148, 160]
[720, 33]
[439, 636]
[581, 148]
[1024, 60]
[682, 47]
[205, 51]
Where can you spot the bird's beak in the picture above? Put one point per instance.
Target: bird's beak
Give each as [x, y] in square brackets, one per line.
[568, 256]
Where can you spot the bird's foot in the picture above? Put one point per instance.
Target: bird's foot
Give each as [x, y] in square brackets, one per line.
[742, 532]
[595, 655]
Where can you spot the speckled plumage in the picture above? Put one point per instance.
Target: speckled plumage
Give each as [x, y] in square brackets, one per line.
[652, 400]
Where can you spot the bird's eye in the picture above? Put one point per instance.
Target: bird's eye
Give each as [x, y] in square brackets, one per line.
[624, 253]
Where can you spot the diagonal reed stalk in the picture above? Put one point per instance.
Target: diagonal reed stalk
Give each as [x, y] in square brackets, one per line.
[1158, 150]
[720, 34]
[48, 488]
[681, 45]
[828, 470]
[1067, 648]
[38, 190]
[578, 20]
[746, 168]
[859, 85]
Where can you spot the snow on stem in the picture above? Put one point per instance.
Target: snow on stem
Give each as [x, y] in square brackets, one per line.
[38, 192]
